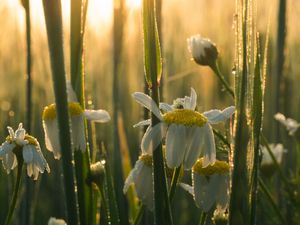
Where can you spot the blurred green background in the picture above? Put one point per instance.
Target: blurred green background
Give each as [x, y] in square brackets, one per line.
[180, 19]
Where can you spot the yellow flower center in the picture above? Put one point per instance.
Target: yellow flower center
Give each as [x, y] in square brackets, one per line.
[185, 117]
[147, 159]
[220, 167]
[49, 112]
[31, 140]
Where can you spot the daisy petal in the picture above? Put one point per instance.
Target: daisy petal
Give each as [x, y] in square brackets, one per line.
[187, 188]
[215, 116]
[5, 148]
[175, 145]
[222, 194]
[152, 137]
[165, 107]
[28, 153]
[71, 93]
[193, 99]
[143, 123]
[100, 116]
[148, 103]
[209, 154]
[194, 148]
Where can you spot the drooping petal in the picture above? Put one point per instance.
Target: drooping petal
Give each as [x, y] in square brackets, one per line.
[152, 137]
[142, 123]
[165, 107]
[194, 147]
[187, 188]
[51, 137]
[28, 153]
[209, 152]
[9, 161]
[204, 191]
[222, 194]
[132, 175]
[71, 93]
[215, 116]
[175, 145]
[5, 148]
[148, 103]
[78, 134]
[100, 116]
[193, 99]
[11, 132]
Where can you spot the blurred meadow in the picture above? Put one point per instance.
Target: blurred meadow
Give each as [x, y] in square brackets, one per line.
[180, 19]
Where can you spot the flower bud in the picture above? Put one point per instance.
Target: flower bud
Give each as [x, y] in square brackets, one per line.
[97, 173]
[203, 50]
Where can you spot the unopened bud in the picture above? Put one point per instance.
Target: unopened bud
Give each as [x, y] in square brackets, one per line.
[203, 50]
[97, 173]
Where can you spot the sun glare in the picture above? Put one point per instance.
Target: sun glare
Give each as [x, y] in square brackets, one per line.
[133, 4]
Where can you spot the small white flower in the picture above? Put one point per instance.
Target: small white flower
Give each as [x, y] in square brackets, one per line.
[277, 150]
[290, 124]
[77, 116]
[54, 221]
[188, 132]
[19, 142]
[203, 50]
[210, 185]
[141, 177]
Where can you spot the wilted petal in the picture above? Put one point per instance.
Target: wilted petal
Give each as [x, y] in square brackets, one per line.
[78, 134]
[5, 148]
[28, 153]
[51, 137]
[152, 137]
[175, 145]
[187, 188]
[215, 116]
[209, 153]
[100, 116]
[194, 147]
[148, 103]
[204, 192]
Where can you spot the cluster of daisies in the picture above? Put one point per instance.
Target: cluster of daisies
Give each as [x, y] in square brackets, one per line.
[20, 147]
[189, 142]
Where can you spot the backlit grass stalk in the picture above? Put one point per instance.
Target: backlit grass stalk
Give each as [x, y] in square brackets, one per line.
[239, 196]
[153, 68]
[53, 17]
[82, 160]
[26, 5]
[117, 163]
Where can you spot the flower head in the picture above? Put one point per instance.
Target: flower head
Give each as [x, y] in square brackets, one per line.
[290, 124]
[267, 164]
[210, 185]
[54, 221]
[203, 50]
[21, 146]
[77, 116]
[141, 177]
[188, 133]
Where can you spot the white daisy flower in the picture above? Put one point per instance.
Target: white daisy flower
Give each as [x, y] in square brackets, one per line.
[54, 221]
[77, 115]
[290, 124]
[188, 132]
[20, 144]
[210, 185]
[203, 50]
[141, 177]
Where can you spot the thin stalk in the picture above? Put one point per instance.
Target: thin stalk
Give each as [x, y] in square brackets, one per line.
[53, 17]
[15, 194]
[217, 71]
[28, 195]
[104, 203]
[117, 163]
[271, 200]
[138, 218]
[174, 181]
[203, 218]
[222, 138]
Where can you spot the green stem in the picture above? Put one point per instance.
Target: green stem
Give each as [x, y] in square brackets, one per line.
[221, 137]
[53, 17]
[104, 203]
[15, 194]
[271, 200]
[203, 218]
[217, 71]
[174, 182]
[138, 218]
